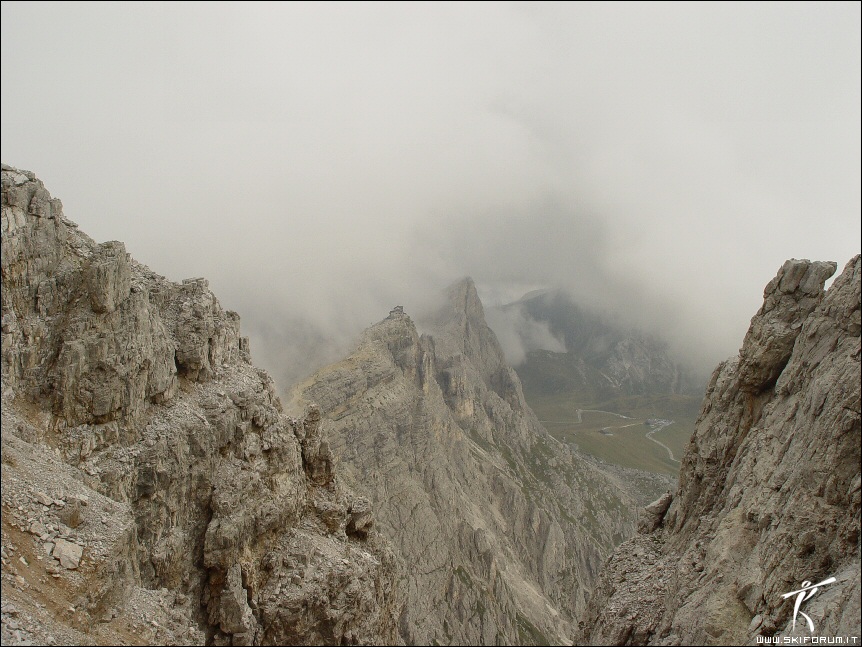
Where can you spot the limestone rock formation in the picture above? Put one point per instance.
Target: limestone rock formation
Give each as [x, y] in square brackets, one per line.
[769, 490]
[653, 514]
[500, 526]
[152, 487]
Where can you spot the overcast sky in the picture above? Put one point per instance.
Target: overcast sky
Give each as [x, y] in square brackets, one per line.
[322, 163]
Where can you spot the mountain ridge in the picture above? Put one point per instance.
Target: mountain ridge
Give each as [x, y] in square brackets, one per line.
[499, 537]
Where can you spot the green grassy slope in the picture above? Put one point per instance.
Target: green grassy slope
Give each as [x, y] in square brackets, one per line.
[622, 441]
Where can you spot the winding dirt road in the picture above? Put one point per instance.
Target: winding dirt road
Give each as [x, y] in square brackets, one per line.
[650, 434]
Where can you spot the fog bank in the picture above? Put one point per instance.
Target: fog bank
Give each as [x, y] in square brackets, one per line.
[323, 163]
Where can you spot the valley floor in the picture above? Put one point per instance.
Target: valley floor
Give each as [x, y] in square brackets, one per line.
[640, 432]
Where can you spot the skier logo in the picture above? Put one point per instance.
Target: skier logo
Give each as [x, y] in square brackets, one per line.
[805, 593]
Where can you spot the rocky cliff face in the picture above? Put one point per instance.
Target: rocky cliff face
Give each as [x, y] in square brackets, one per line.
[769, 491]
[153, 490]
[501, 527]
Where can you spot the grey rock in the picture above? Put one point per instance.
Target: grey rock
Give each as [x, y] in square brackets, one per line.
[653, 514]
[660, 505]
[235, 616]
[80, 499]
[42, 498]
[180, 493]
[108, 277]
[486, 511]
[39, 529]
[317, 457]
[788, 299]
[71, 515]
[67, 553]
[360, 519]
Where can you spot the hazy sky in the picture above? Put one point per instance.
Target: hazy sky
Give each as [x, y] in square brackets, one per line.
[322, 163]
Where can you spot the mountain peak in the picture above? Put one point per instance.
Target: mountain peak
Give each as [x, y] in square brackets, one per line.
[463, 297]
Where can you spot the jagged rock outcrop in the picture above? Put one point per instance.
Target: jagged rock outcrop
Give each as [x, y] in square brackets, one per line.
[153, 489]
[769, 490]
[501, 527]
[653, 514]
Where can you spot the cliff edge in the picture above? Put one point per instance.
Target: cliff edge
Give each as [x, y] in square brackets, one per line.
[153, 489]
[769, 492]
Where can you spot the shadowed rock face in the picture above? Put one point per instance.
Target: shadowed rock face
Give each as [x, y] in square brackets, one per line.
[137, 395]
[769, 491]
[501, 528]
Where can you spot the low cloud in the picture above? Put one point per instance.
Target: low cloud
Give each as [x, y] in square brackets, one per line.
[322, 163]
[519, 334]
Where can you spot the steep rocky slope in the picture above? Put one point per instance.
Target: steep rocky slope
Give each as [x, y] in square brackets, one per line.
[502, 528]
[152, 489]
[769, 491]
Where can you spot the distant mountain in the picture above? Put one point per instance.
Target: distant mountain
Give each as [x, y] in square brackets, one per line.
[601, 359]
